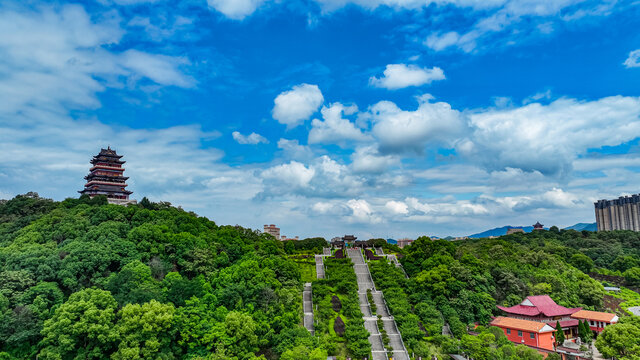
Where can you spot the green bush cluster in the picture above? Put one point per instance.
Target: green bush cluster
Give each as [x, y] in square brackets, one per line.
[341, 281]
[372, 304]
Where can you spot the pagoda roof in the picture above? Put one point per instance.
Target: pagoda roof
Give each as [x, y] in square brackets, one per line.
[537, 225]
[107, 177]
[109, 152]
[538, 305]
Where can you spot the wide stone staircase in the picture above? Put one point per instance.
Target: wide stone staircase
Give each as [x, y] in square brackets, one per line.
[365, 282]
[320, 266]
[307, 307]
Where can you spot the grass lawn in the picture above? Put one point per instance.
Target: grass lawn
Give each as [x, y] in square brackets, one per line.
[630, 297]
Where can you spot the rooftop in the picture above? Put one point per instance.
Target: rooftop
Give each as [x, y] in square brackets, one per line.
[109, 152]
[595, 315]
[519, 324]
[537, 305]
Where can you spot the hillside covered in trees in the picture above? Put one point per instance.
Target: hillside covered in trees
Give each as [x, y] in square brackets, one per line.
[81, 279]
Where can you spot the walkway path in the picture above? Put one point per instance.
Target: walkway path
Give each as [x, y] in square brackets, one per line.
[320, 266]
[365, 282]
[307, 307]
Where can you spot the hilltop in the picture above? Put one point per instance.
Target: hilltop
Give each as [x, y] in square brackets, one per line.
[499, 231]
[154, 281]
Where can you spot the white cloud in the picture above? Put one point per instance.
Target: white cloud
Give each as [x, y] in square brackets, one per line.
[362, 212]
[446, 208]
[322, 178]
[554, 198]
[335, 129]
[293, 150]
[251, 139]
[322, 207]
[293, 175]
[502, 15]
[332, 5]
[633, 60]
[162, 69]
[398, 76]
[294, 106]
[548, 138]
[397, 207]
[400, 130]
[236, 9]
[438, 41]
[53, 59]
[367, 159]
[161, 28]
[599, 163]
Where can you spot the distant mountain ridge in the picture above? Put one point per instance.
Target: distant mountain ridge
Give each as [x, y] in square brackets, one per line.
[583, 226]
[499, 231]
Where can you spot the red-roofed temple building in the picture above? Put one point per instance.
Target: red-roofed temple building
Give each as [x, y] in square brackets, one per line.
[543, 309]
[534, 320]
[539, 308]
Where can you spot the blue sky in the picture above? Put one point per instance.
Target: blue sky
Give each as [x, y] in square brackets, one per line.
[383, 118]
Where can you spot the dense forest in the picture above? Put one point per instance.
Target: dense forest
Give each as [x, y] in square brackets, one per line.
[82, 279]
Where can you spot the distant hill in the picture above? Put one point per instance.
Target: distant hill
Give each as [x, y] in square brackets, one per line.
[583, 226]
[499, 231]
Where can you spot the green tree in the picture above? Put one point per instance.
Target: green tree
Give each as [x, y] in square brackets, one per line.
[145, 331]
[584, 331]
[559, 334]
[301, 352]
[240, 330]
[134, 284]
[632, 276]
[582, 262]
[620, 340]
[554, 356]
[624, 262]
[81, 328]
[526, 353]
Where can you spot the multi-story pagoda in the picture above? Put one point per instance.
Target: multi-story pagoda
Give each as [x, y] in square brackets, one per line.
[106, 178]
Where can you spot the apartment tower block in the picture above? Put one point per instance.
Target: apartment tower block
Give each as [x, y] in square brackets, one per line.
[618, 214]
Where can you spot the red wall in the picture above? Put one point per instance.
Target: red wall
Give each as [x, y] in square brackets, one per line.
[543, 340]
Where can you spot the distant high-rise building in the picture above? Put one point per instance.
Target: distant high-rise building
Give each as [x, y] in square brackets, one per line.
[106, 178]
[272, 230]
[618, 214]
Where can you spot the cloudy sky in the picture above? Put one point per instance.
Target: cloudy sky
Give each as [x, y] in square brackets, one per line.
[385, 118]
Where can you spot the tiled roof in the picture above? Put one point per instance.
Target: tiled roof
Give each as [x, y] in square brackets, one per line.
[519, 324]
[539, 304]
[595, 315]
